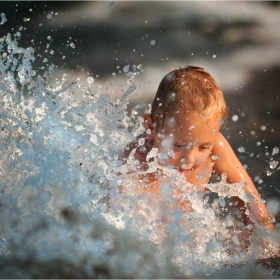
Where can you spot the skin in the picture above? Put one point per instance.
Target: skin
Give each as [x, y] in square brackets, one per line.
[195, 147]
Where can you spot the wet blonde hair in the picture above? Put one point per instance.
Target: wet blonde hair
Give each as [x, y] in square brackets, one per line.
[189, 89]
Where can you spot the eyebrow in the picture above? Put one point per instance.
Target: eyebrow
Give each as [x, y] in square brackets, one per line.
[204, 144]
[200, 144]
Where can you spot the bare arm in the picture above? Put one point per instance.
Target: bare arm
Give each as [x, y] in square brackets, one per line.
[228, 163]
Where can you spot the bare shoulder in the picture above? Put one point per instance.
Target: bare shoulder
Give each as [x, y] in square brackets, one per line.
[227, 161]
[222, 147]
[221, 141]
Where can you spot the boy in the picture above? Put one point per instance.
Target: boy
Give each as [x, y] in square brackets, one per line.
[187, 113]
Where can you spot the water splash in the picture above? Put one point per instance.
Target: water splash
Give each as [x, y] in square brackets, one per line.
[63, 184]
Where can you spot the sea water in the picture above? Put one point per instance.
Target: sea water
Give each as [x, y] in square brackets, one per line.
[63, 212]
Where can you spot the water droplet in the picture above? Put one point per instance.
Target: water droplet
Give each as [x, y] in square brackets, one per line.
[222, 201]
[263, 201]
[72, 45]
[3, 18]
[166, 143]
[32, 73]
[64, 77]
[141, 141]
[214, 56]
[51, 52]
[191, 127]
[273, 164]
[49, 37]
[241, 150]
[84, 15]
[126, 68]
[215, 157]
[153, 42]
[263, 127]
[163, 158]
[256, 178]
[268, 173]
[49, 16]
[90, 80]
[234, 118]
[275, 151]
[112, 4]
[272, 206]
[45, 60]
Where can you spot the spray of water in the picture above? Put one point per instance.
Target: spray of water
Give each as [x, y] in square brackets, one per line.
[69, 208]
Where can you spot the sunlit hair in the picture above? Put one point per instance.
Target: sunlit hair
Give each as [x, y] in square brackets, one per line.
[190, 89]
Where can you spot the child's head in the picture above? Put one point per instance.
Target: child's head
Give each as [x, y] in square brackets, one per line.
[188, 89]
[186, 116]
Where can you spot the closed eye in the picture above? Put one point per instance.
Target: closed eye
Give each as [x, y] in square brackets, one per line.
[178, 145]
[204, 147]
[183, 146]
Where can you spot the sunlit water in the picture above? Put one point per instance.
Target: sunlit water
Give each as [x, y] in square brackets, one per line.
[61, 175]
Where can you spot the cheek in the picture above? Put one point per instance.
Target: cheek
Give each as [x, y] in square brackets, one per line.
[203, 157]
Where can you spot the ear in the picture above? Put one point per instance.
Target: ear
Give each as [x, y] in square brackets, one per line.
[148, 124]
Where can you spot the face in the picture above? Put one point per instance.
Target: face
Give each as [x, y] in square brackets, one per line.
[186, 140]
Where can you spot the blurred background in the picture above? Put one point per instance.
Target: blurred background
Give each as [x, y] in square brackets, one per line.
[116, 42]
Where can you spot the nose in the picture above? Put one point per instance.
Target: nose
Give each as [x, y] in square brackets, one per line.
[188, 157]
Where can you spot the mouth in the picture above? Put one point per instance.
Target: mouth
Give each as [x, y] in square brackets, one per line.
[182, 170]
[188, 166]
